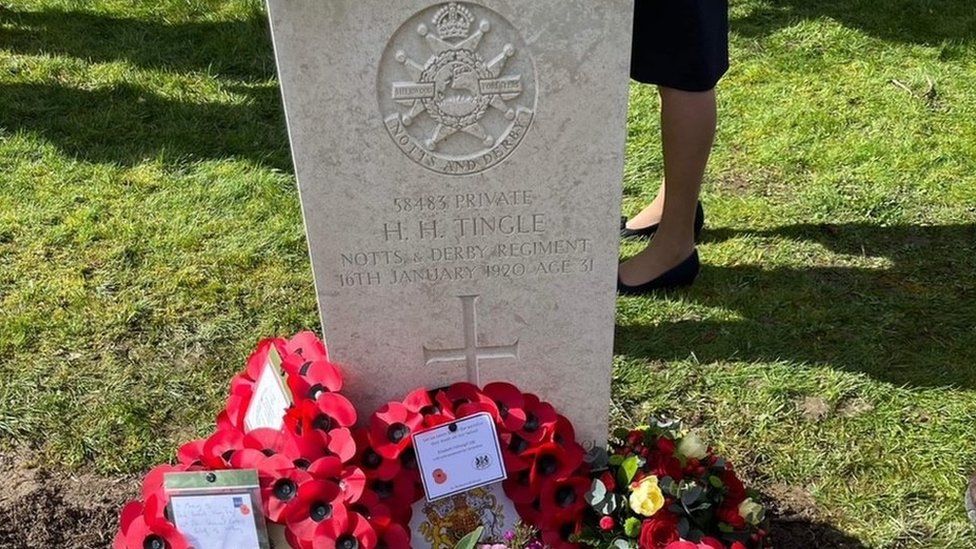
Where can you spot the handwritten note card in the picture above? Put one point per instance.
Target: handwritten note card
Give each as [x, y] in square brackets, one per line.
[459, 456]
[271, 398]
[223, 521]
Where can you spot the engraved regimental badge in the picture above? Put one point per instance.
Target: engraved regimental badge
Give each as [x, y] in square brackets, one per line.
[457, 88]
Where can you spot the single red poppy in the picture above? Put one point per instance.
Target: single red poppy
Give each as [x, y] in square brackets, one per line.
[390, 429]
[563, 432]
[305, 448]
[307, 345]
[373, 464]
[268, 441]
[419, 401]
[311, 378]
[220, 447]
[137, 530]
[351, 531]
[564, 499]
[514, 448]
[317, 501]
[342, 444]
[510, 403]
[397, 493]
[551, 461]
[392, 536]
[279, 491]
[353, 483]
[540, 417]
[370, 506]
[558, 536]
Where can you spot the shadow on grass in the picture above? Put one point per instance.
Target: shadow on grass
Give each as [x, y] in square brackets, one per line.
[929, 22]
[239, 49]
[126, 124]
[911, 321]
[793, 533]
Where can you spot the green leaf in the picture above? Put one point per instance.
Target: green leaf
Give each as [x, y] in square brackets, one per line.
[620, 543]
[632, 527]
[616, 460]
[470, 541]
[597, 493]
[691, 495]
[627, 470]
[609, 505]
[715, 481]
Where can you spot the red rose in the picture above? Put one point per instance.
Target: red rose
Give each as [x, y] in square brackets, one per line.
[665, 446]
[710, 543]
[730, 516]
[658, 531]
[607, 524]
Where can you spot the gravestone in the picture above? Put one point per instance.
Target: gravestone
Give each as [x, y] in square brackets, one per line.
[459, 165]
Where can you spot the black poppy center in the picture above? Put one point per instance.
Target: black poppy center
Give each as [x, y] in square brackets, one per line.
[285, 489]
[408, 459]
[347, 542]
[502, 410]
[565, 496]
[518, 445]
[316, 390]
[268, 452]
[302, 463]
[547, 464]
[227, 455]
[304, 369]
[154, 542]
[383, 488]
[361, 509]
[323, 423]
[397, 432]
[430, 410]
[531, 423]
[320, 511]
[371, 459]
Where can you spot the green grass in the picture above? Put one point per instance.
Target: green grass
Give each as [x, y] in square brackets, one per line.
[150, 232]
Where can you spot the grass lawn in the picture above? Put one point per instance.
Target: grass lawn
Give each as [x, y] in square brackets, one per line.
[150, 233]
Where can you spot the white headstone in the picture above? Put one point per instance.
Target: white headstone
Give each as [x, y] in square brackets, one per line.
[459, 166]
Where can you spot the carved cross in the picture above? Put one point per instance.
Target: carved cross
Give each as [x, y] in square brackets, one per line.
[472, 353]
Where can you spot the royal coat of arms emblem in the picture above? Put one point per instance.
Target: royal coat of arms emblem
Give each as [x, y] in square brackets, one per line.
[457, 88]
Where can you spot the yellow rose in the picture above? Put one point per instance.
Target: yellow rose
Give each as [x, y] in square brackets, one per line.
[647, 499]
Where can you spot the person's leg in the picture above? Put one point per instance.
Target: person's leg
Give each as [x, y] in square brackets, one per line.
[688, 121]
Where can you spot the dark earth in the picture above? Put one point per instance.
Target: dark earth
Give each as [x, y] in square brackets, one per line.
[43, 509]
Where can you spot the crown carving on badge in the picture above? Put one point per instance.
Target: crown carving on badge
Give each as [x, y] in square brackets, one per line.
[453, 21]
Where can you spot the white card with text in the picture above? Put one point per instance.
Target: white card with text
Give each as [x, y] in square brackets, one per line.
[459, 456]
[224, 521]
[270, 399]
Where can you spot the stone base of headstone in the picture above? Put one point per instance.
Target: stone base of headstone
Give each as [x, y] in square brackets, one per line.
[971, 500]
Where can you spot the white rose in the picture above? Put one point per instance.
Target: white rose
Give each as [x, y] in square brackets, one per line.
[692, 447]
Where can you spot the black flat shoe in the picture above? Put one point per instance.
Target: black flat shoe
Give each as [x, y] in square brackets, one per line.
[648, 231]
[678, 277]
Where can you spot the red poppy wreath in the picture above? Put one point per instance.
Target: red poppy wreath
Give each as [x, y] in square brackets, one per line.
[548, 477]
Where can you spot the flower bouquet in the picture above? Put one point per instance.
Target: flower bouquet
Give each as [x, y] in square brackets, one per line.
[656, 488]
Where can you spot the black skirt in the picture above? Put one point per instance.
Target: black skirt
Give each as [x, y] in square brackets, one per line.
[681, 44]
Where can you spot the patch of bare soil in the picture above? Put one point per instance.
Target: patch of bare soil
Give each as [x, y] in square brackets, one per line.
[796, 522]
[41, 509]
